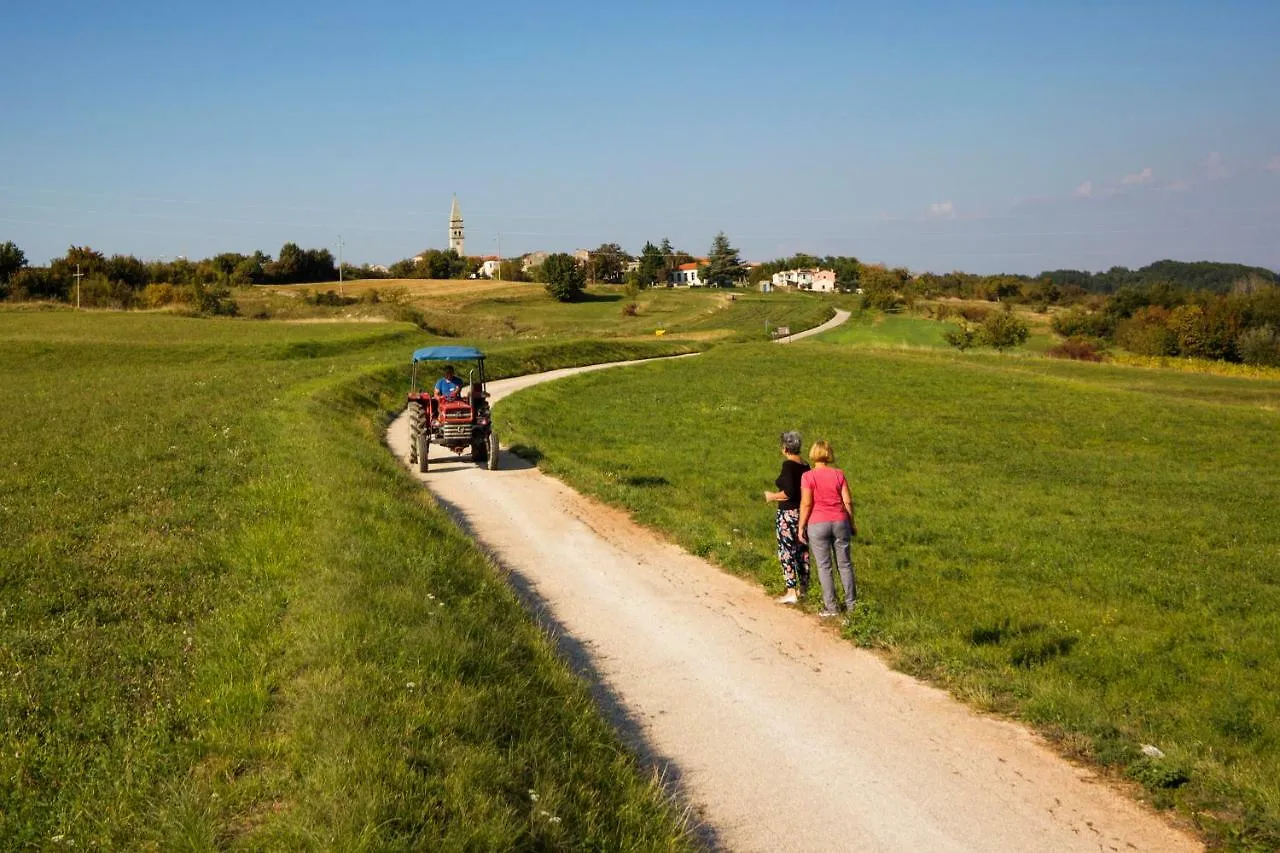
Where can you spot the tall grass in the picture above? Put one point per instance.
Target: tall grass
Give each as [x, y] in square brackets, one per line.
[1092, 548]
[229, 619]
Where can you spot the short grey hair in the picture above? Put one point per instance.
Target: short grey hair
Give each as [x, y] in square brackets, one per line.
[791, 442]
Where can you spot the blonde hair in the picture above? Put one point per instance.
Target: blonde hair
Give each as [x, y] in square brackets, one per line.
[821, 452]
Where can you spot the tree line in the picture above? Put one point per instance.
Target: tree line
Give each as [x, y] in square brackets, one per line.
[124, 281]
[1160, 319]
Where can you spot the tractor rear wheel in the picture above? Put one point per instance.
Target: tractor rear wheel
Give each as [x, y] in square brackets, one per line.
[424, 450]
[492, 442]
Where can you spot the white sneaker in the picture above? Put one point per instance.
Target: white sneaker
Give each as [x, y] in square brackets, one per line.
[789, 598]
[828, 614]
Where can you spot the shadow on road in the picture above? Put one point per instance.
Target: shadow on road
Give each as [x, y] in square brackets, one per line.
[578, 654]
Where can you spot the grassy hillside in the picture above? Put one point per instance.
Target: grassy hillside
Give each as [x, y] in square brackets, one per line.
[1092, 548]
[493, 310]
[228, 618]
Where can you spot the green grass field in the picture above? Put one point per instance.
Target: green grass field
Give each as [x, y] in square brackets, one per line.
[888, 330]
[911, 331]
[229, 619]
[492, 310]
[1091, 548]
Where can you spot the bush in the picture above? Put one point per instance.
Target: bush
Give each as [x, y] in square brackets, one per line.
[881, 299]
[1147, 333]
[1080, 323]
[331, 298]
[961, 337]
[631, 293]
[974, 313]
[1204, 333]
[159, 295]
[1079, 349]
[213, 301]
[563, 276]
[1260, 347]
[1003, 330]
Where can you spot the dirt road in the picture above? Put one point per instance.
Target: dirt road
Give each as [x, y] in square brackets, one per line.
[779, 734]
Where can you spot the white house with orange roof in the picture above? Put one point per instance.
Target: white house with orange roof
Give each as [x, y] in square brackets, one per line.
[489, 266]
[686, 275]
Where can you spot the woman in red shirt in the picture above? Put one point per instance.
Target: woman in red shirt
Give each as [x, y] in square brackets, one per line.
[826, 523]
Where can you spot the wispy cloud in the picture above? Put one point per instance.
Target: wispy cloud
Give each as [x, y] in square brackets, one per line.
[1085, 190]
[1214, 168]
[1273, 165]
[942, 208]
[1143, 177]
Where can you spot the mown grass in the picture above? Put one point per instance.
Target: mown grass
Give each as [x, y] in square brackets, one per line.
[893, 330]
[912, 331]
[228, 619]
[1092, 548]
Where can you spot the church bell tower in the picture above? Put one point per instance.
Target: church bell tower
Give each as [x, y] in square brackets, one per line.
[455, 228]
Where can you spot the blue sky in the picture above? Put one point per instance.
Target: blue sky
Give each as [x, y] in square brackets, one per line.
[983, 136]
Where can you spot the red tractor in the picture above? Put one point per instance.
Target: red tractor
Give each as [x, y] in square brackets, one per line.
[452, 413]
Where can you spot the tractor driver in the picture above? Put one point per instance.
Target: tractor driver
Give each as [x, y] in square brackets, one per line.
[448, 385]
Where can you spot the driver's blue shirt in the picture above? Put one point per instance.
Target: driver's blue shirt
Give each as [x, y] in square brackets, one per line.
[447, 387]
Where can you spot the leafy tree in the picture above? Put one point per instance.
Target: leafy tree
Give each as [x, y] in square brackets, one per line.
[12, 259]
[724, 268]
[406, 268]
[962, 337]
[37, 283]
[89, 262]
[440, 264]
[127, 270]
[883, 288]
[295, 265]
[288, 265]
[609, 263]
[672, 258]
[1003, 330]
[653, 266]
[847, 269]
[1260, 346]
[513, 270]
[563, 276]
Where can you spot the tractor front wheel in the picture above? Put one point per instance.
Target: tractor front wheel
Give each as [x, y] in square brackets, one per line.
[424, 450]
[417, 423]
[492, 442]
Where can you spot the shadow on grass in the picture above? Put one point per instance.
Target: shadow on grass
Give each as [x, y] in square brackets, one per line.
[599, 297]
[526, 452]
[624, 721]
[645, 481]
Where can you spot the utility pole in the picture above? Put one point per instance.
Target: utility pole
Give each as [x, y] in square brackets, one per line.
[340, 265]
[79, 276]
[499, 256]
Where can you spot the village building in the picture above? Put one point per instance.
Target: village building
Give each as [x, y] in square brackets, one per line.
[686, 275]
[824, 281]
[533, 260]
[819, 281]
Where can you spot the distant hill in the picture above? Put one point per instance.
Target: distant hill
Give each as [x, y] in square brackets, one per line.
[1195, 275]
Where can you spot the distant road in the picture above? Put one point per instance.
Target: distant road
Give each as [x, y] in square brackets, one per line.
[840, 317]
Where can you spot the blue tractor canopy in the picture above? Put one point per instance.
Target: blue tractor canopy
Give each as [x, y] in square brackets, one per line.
[446, 354]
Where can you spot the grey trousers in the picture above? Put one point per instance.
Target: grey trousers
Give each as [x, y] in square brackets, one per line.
[824, 537]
